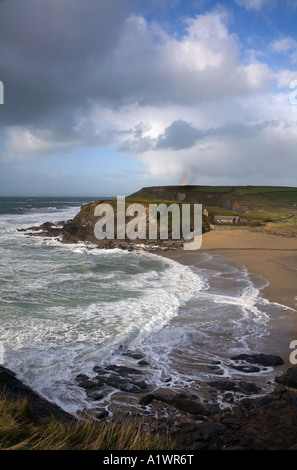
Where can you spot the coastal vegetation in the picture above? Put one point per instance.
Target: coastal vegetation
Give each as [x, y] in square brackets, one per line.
[21, 429]
[269, 208]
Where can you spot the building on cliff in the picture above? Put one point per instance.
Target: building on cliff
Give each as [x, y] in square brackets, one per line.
[226, 219]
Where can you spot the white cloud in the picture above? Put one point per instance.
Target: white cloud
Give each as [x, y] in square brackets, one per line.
[287, 46]
[254, 4]
[177, 104]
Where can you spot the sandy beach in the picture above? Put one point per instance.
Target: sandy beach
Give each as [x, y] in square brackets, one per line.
[271, 258]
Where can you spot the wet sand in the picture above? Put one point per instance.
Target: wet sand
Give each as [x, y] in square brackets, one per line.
[273, 258]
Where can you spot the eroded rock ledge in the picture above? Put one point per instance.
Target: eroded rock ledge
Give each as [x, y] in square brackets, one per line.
[255, 421]
[266, 422]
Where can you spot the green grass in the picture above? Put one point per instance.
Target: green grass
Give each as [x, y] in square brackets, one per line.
[258, 206]
[19, 430]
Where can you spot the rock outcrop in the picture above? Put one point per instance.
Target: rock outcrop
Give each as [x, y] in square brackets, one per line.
[267, 422]
[82, 229]
[14, 389]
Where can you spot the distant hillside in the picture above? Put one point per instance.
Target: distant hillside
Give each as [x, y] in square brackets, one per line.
[270, 206]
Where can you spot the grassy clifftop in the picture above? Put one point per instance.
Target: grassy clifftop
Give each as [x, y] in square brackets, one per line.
[272, 207]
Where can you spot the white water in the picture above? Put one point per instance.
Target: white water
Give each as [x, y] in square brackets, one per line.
[66, 308]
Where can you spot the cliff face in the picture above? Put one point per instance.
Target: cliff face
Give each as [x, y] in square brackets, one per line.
[82, 228]
[233, 198]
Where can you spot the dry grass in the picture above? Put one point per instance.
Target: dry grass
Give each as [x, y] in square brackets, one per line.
[19, 430]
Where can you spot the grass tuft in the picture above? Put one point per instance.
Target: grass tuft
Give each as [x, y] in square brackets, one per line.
[19, 430]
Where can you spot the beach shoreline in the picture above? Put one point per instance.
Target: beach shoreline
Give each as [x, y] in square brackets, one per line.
[272, 257]
[266, 257]
[269, 258]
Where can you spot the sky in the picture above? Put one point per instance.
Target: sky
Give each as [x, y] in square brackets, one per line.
[103, 97]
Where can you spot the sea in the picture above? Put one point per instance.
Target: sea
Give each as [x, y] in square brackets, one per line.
[65, 308]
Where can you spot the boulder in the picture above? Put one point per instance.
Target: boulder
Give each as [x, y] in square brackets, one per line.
[289, 378]
[246, 388]
[190, 406]
[13, 389]
[266, 360]
[126, 379]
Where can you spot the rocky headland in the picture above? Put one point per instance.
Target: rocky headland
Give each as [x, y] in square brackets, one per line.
[82, 229]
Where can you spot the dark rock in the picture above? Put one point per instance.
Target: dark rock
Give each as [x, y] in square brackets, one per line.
[200, 446]
[189, 427]
[246, 388]
[146, 399]
[100, 370]
[96, 395]
[134, 355]
[190, 406]
[231, 421]
[263, 401]
[170, 398]
[229, 397]
[209, 429]
[86, 384]
[199, 417]
[102, 415]
[182, 402]
[212, 409]
[213, 367]
[249, 388]
[267, 360]
[184, 440]
[143, 362]
[248, 369]
[13, 389]
[226, 385]
[121, 377]
[246, 441]
[165, 398]
[81, 377]
[294, 398]
[123, 370]
[279, 440]
[126, 385]
[289, 378]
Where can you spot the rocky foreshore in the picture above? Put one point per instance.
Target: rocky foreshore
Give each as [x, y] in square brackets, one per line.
[238, 416]
[255, 422]
[14, 389]
[70, 232]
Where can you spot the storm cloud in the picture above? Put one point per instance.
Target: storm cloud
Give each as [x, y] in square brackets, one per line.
[91, 73]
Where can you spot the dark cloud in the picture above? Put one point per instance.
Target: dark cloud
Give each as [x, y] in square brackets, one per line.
[57, 58]
[50, 53]
[179, 135]
[91, 73]
[183, 135]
